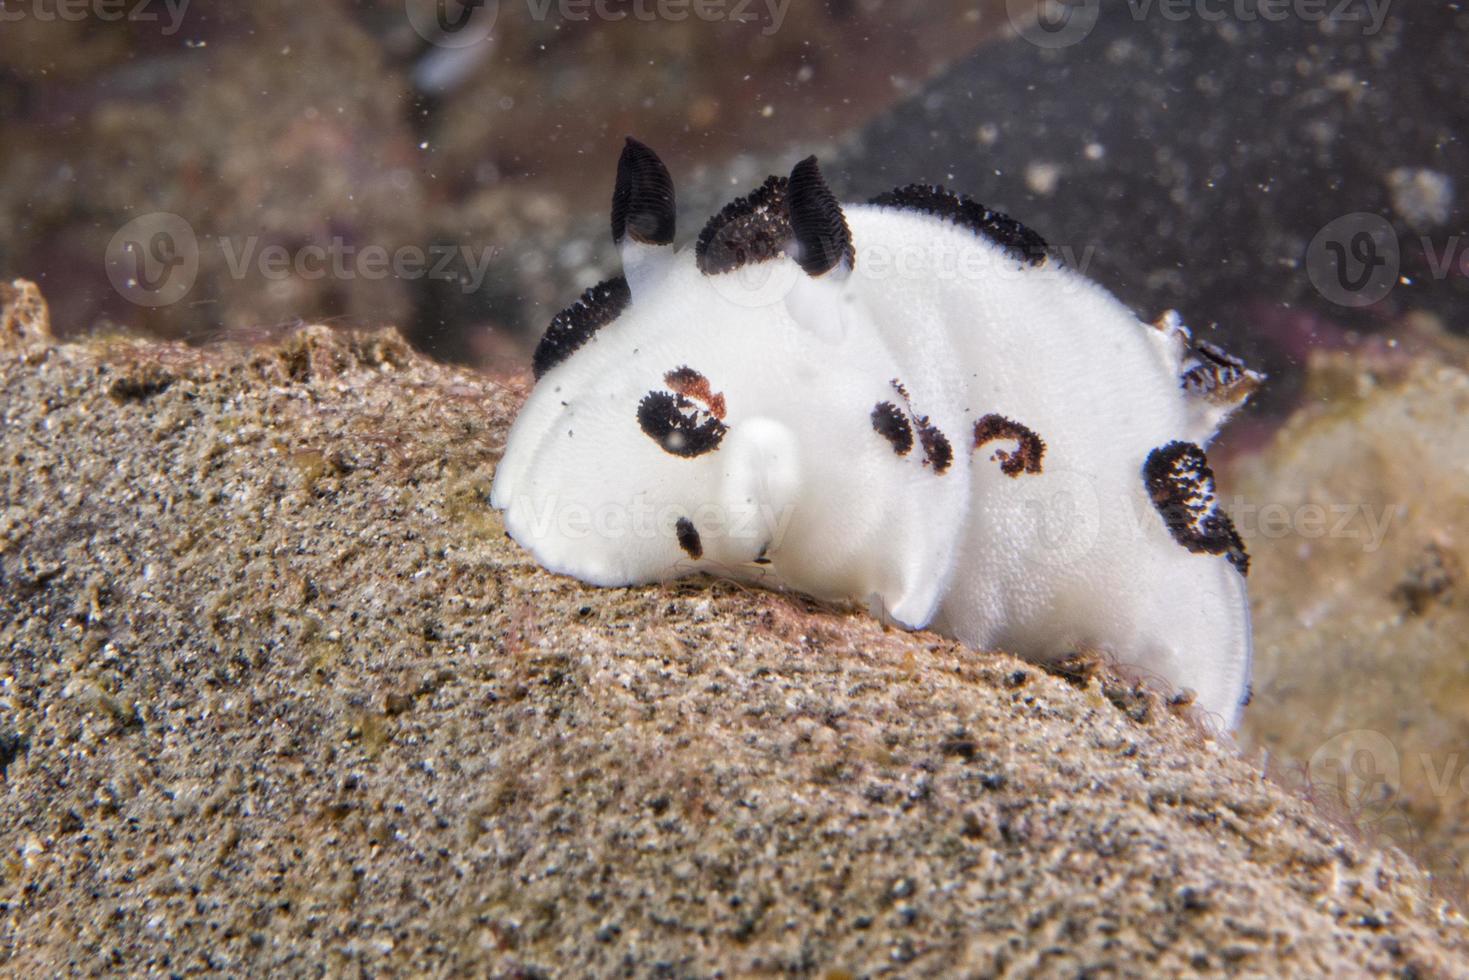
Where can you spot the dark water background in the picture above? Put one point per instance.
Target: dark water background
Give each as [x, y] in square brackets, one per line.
[359, 163]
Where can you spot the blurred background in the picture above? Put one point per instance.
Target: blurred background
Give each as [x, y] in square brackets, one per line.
[346, 126]
[1290, 174]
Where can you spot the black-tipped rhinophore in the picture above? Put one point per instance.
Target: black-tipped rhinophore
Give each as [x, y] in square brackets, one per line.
[823, 239]
[642, 202]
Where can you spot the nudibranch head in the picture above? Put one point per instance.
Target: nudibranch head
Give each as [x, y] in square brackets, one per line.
[678, 421]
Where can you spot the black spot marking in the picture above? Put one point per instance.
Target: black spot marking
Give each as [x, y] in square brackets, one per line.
[691, 384]
[936, 449]
[937, 452]
[1030, 449]
[688, 538]
[1218, 375]
[675, 423]
[892, 424]
[753, 228]
[642, 201]
[1181, 485]
[575, 325]
[1018, 241]
[823, 239]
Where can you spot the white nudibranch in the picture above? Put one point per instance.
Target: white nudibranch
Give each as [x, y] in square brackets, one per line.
[906, 402]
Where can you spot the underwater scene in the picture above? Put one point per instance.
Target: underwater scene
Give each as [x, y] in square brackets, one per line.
[700, 488]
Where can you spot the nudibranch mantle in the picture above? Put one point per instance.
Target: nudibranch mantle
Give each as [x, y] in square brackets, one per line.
[905, 402]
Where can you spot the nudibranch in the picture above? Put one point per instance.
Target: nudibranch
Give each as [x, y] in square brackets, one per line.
[910, 403]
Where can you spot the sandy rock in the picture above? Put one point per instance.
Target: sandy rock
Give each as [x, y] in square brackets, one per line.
[277, 694]
[25, 321]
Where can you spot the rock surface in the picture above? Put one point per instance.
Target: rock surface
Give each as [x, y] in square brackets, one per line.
[277, 694]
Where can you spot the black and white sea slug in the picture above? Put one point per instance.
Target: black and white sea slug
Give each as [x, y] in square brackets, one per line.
[906, 402]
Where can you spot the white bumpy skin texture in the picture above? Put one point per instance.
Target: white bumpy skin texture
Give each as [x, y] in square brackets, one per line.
[906, 402]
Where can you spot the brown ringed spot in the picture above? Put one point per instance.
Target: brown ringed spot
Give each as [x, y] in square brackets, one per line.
[890, 423]
[679, 425]
[688, 538]
[691, 384]
[1181, 486]
[1029, 450]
